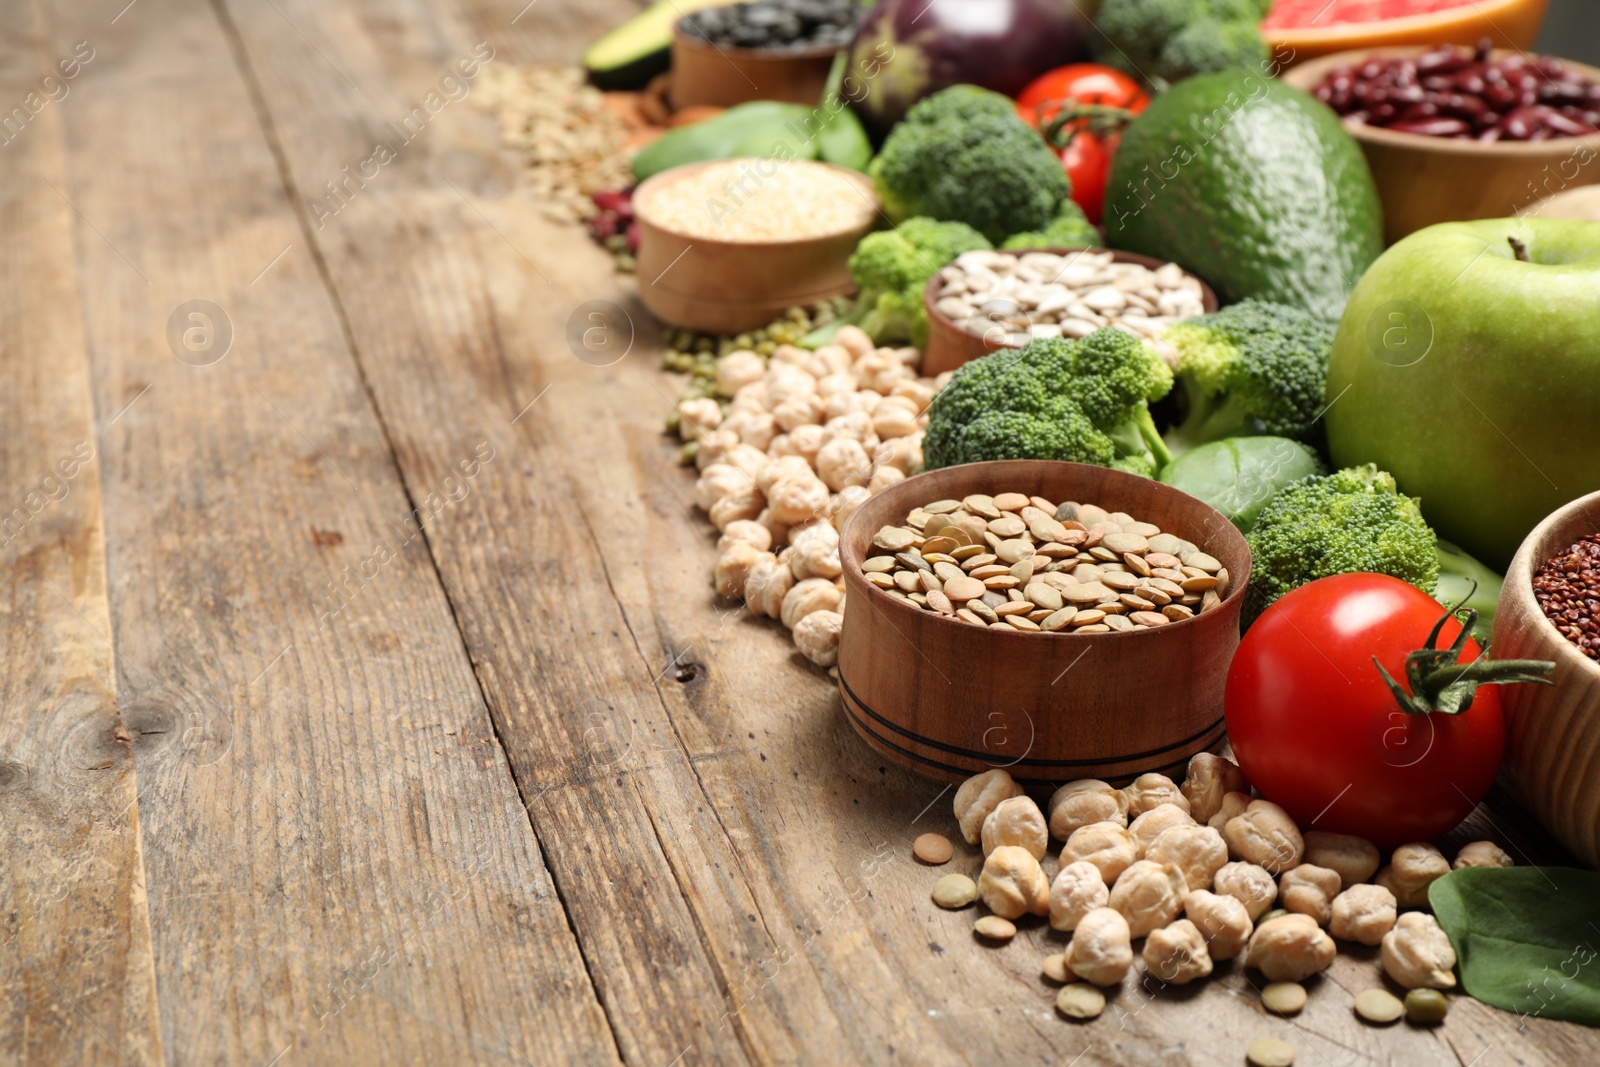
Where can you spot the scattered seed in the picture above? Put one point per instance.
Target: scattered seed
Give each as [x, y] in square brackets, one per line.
[1054, 968]
[1269, 1052]
[1285, 998]
[1379, 1006]
[1426, 1007]
[1080, 1000]
[995, 928]
[954, 891]
[933, 849]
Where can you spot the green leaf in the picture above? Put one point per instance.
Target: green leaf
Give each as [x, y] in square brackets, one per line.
[1527, 938]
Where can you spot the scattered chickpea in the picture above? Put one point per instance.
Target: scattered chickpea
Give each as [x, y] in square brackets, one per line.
[747, 532]
[1101, 949]
[978, 796]
[1266, 836]
[1355, 858]
[1290, 948]
[1417, 953]
[1013, 884]
[733, 569]
[816, 550]
[1077, 890]
[1155, 822]
[1177, 954]
[1309, 890]
[1482, 854]
[817, 637]
[1223, 921]
[1106, 845]
[1198, 851]
[1412, 869]
[1149, 895]
[1233, 804]
[1251, 885]
[1080, 803]
[1211, 778]
[1016, 821]
[1363, 913]
[1150, 790]
[807, 596]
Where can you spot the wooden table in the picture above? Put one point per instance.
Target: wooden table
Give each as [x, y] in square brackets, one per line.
[365, 701]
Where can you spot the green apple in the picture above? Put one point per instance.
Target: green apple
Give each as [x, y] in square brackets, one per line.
[1467, 364]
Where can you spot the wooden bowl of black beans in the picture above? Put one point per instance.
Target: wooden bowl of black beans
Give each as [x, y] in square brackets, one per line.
[764, 50]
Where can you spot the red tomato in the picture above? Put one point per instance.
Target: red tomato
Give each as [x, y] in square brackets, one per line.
[1318, 732]
[1087, 155]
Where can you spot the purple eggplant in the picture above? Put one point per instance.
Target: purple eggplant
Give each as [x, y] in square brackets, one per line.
[908, 49]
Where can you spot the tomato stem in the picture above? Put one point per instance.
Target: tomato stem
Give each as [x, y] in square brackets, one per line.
[1440, 682]
[1072, 118]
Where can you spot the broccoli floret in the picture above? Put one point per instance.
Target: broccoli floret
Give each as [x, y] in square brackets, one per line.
[1085, 401]
[1354, 520]
[891, 268]
[1070, 228]
[1253, 368]
[963, 155]
[1170, 40]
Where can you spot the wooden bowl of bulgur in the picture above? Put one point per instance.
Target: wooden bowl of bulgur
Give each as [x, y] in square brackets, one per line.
[729, 245]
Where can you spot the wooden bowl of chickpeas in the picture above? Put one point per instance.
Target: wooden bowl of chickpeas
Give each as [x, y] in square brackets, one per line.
[948, 698]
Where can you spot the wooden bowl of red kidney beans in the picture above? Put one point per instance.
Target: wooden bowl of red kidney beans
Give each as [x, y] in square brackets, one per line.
[1455, 133]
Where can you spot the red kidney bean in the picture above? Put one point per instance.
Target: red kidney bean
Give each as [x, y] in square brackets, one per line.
[1520, 124]
[1425, 110]
[1442, 60]
[1430, 127]
[1562, 125]
[1381, 115]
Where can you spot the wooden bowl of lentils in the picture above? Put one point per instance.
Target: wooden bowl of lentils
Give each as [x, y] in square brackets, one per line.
[1550, 609]
[989, 300]
[1060, 620]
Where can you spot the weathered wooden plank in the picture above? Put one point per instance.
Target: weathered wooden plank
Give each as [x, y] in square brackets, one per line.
[809, 936]
[77, 982]
[339, 868]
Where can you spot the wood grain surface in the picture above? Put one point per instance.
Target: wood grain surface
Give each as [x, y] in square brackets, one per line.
[381, 711]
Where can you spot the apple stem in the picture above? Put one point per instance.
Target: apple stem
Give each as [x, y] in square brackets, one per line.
[1519, 249]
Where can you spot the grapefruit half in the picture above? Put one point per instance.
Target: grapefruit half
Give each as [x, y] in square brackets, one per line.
[1301, 29]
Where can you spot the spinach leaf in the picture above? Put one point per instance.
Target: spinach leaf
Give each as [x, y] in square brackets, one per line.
[1527, 938]
[1239, 475]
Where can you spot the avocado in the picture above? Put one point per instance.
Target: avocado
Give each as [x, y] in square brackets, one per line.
[639, 49]
[1251, 184]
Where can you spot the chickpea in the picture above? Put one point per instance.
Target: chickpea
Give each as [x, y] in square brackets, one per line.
[805, 442]
[1155, 822]
[1266, 836]
[1309, 890]
[1198, 851]
[790, 356]
[1482, 854]
[1233, 804]
[884, 477]
[1151, 790]
[1417, 953]
[768, 582]
[1222, 920]
[844, 503]
[1077, 890]
[738, 369]
[1013, 884]
[1106, 845]
[751, 397]
[806, 596]
[798, 499]
[842, 461]
[717, 481]
[890, 419]
[816, 550]
[854, 340]
[1249, 884]
[757, 429]
[1177, 954]
[698, 416]
[817, 637]
[1016, 821]
[746, 458]
[902, 453]
[747, 532]
[1211, 778]
[978, 796]
[1412, 869]
[848, 402]
[830, 359]
[734, 567]
[776, 470]
[785, 382]
[1363, 913]
[1086, 801]
[1101, 949]
[1355, 858]
[834, 384]
[744, 502]
[856, 425]
[714, 445]
[1290, 948]
[1149, 895]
